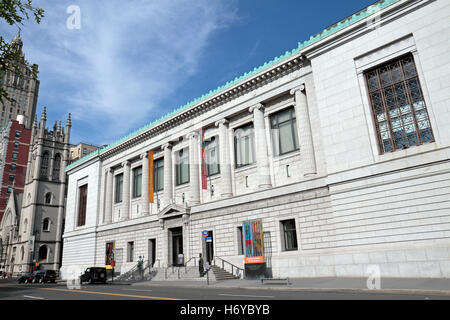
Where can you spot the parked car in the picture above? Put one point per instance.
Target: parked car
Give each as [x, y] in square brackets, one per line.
[44, 276]
[94, 274]
[26, 278]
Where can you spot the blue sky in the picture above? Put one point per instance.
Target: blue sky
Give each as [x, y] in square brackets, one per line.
[132, 62]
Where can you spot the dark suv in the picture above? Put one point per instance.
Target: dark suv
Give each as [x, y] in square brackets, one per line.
[44, 276]
[94, 274]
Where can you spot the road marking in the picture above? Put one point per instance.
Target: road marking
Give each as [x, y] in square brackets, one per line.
[31, 297]
[110, 294]
[242, 295]
[137, 290]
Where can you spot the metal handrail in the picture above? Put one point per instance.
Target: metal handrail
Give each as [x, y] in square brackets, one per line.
[232, 265]
[185, 265]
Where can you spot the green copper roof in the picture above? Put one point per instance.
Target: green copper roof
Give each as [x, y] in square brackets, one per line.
[301, 45]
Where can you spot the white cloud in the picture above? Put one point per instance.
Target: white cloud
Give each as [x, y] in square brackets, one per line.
[127, 56]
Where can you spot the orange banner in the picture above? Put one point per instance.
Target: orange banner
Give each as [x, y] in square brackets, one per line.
[150, 177]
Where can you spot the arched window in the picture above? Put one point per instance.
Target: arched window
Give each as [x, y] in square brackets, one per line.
[56, 167]
[43, 253]
[22, 253]
[25, 226]
[44, 165]
[48, 198]
[46, 224]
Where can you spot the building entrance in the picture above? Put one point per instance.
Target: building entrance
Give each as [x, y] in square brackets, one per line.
[177, 244]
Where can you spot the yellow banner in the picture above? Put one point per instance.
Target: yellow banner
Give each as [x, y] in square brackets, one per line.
[150, 177]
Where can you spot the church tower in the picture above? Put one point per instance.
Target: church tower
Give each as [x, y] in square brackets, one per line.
[42, 216]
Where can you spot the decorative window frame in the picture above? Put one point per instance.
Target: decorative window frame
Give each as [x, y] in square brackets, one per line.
[376, 57]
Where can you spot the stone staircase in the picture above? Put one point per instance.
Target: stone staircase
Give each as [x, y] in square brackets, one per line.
[178, 274]
[222, 275]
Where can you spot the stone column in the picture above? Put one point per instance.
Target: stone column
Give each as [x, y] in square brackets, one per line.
[144, 196]
[308, 161]
[225, 165]
[194, 168]
[261, 147]
[109, 195]
[126, 191]
[168, 182]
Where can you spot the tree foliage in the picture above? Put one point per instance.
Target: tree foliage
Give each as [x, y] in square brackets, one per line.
[15, 13]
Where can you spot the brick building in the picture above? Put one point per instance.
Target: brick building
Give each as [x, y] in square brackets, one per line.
[14, 147]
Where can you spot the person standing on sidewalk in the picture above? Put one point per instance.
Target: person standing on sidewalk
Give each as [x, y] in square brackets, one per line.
[200, 265]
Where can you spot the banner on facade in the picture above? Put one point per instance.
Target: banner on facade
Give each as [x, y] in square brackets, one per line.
[203, 168]
[31, 244]
[150, 177]
[110, 257]
[254, 242]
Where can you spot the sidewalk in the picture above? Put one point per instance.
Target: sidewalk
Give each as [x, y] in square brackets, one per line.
[388, 285]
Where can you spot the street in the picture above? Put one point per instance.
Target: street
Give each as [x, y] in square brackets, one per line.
[10, 290]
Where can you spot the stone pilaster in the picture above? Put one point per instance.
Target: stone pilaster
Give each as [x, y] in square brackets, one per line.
[261, 147]
[225, 165]
[109, 195]
[168, 181]
[308, 161]
[144, 196]
[126, 191]
[194, 168]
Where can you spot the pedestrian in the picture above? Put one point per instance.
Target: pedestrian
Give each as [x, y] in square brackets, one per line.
[200, 265]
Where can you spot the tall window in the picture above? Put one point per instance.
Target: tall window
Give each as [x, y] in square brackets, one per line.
[398, 105]
[212, 157]
[137, 182]
[158, 167]
[48, 198]
[44, 165]
[46, 224]
[56, 167]
[289, 235]
[284, 131]
[182, 167]
[43, 252]
[119, 187]
[82, 202]
[130, 251]
[244, 140]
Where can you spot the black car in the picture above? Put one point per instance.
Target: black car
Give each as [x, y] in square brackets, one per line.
[26, 278]
[44, 276]
[94, 274]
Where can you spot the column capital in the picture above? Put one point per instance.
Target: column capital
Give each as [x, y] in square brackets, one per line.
[299, 88]
[125, 163]
[256, 106]
[109, 170]
[167, 145]
[224, 122]
[193, 134]
[143, 155]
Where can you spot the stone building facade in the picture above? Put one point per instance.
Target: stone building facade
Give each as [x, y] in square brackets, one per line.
[23, 90]
[38, 213]
[341, 147]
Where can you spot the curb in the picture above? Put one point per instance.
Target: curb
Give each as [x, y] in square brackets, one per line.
[339, 290]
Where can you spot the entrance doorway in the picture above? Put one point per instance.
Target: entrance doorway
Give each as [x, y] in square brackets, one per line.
[152, 252]
[209, 247]
[177, 244]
